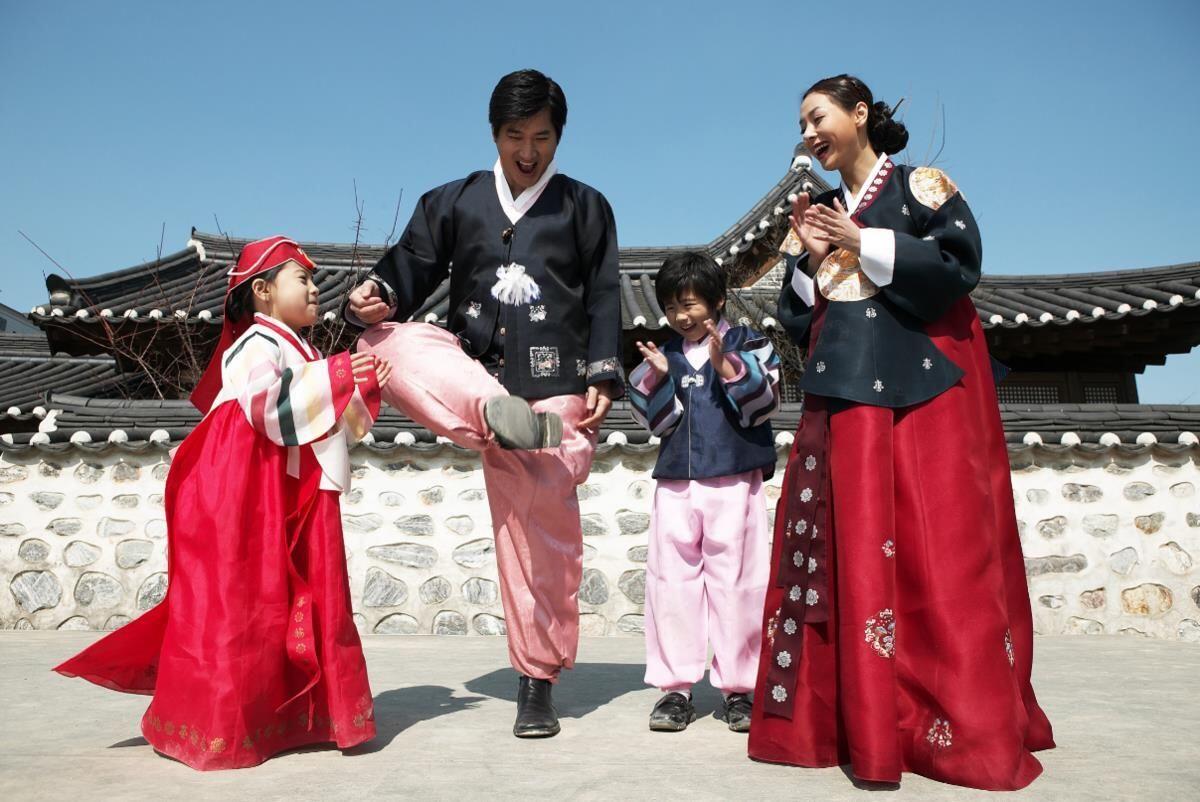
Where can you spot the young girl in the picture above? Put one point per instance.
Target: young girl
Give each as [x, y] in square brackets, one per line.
[898, 628]
[709, 394]
[253, 650]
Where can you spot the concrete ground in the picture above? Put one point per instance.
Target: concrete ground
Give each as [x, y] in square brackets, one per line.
[1126, 716]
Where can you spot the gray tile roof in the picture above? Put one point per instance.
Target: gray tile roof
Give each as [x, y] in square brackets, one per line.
[94, 422]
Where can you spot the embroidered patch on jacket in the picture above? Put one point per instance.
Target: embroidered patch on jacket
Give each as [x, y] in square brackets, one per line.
[581, 367]
[609, 365]
[841, 278]
[537, 313]
[931, 187]
[474, 308]
[543, 361]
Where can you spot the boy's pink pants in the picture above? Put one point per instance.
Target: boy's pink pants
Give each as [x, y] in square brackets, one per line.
[706, 579]
[535, 513]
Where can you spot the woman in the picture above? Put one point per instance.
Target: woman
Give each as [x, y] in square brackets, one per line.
[898, 627]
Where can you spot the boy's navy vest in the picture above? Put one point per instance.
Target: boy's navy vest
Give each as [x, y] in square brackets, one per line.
[709, 442]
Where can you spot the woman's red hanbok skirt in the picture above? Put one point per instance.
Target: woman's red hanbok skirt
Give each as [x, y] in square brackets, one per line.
[254, 650]
[924, 664]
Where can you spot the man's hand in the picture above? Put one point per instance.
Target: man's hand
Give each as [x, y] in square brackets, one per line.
[599, 401]
[367, 304]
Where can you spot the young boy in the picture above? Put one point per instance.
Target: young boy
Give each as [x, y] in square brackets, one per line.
[708, 393]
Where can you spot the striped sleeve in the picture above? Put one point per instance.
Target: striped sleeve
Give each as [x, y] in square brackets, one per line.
[754, 391]
[653, 403]
[290, 405]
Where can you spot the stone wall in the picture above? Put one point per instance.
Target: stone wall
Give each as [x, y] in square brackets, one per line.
[1109, 537]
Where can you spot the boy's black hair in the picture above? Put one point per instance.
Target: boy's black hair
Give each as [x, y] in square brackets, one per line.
[690, 270]
[524, 93]
[240, 305]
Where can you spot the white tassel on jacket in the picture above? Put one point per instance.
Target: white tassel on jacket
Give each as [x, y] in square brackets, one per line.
[514, 287]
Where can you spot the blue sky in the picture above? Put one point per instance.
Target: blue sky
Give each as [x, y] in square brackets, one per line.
[1070, 126]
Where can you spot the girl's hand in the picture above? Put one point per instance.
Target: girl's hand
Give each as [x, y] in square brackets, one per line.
[362, 365]
[834, 227]
[716, 352]
[656, 358]
[383, 372]
[817, 249]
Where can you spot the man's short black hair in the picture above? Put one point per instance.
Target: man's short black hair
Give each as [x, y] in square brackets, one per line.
[524, 93]
[690, 270]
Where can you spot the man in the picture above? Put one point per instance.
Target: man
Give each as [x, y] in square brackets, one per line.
[528, 368]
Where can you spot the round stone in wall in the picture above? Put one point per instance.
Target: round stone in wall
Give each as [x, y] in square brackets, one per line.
[1149, 524]
[1189, 631]
[6, 499]
[473, 494]
[47, 501]
[353, 497]
[639, 489]
[1175, 558]
[415, 525]
[36, 590]
[461, 525]
[1094, 599]
[132, 553]
[589, 552]
[1136, 491]
[487, 624]
[13, 473]
[449, 622]
[435, 590]
[633, 584]
[88, 502]
[637, 554]
[1081, 493]
[12, 529]
[156, 528]
[126, 501]
[390, 499]
[98, 589]
[78, 554]
[1149, 599]
[65, 527]
[1123, 561]
[152, 591]
[362, 523]
[476, 553]
[1052, 528]
[632, 623]
[115, 527]
[1053, 602]
[594, 587]
[383, 590]
[1101, 525]
[126, 472]
[34, 550]
[1037, 496]
[480, 591]
[1055, 564]
[116, 621]
[160, 472]
[632, 523]
[75, 622]
[586, 491]
[397, 624]
[593, 525]
[88, 473]
[410, 555]
[1183, 490]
